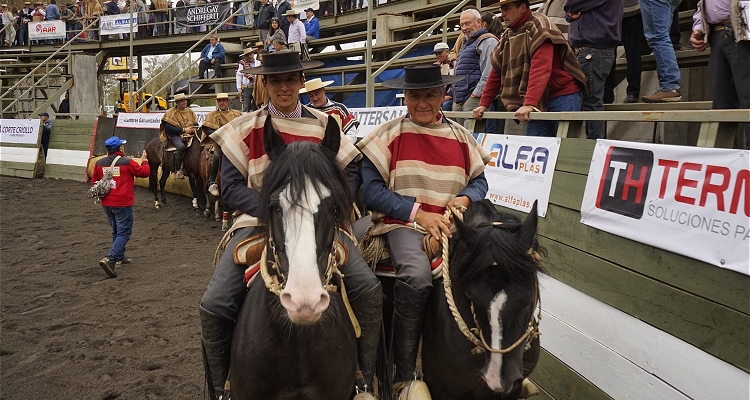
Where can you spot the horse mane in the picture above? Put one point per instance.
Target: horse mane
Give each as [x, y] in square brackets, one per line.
[496, 246]
[291, 166]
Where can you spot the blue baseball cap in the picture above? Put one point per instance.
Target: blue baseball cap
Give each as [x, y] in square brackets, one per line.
[114, 142]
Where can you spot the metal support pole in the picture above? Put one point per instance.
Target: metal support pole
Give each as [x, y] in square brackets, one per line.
[370, 89]
[129, 61]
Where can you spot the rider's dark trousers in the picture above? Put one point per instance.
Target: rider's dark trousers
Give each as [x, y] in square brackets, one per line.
[176, 140]
[226, 289]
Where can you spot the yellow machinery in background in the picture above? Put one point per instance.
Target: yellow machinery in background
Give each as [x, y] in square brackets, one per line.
[123, 105]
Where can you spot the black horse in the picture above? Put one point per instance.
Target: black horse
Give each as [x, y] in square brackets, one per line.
[293, 338]
[493, 271]
[159, 156]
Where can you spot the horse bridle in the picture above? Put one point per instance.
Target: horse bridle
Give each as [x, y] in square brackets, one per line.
[474, 335]
[336, 257]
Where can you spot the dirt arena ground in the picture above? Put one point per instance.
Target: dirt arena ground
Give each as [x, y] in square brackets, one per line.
[68, 332]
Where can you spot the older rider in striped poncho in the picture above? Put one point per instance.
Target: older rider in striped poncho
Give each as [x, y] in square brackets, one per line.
[414, 167]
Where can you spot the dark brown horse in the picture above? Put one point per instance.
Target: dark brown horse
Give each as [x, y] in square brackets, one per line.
[215, 205]
[293, 338]
[159, 156]
[493, 270]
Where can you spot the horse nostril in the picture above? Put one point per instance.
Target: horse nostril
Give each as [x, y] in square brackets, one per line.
[325, 300]
[286, 300]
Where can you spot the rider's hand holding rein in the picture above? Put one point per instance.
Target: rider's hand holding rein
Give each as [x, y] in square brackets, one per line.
[434, 224]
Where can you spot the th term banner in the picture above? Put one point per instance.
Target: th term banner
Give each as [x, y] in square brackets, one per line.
[520, 170]
[206, 14]
[692, 201]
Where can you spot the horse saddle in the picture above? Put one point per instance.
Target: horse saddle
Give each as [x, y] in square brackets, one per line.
[432, 248]
[188, 139]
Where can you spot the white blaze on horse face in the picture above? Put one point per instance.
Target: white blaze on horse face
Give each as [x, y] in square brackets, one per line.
[304, 296]
[493, 370]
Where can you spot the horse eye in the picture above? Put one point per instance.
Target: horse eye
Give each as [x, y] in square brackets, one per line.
[275, 208]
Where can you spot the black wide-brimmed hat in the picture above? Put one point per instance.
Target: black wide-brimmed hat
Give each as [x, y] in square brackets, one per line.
[422, 77]
[281, 62]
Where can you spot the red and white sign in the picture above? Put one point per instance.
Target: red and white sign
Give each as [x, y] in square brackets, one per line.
[692, 201]
[521, 170]
[40, 30]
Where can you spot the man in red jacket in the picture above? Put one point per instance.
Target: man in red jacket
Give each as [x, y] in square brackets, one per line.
[118, 204]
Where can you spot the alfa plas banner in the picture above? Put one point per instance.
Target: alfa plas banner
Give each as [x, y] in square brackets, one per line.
[692, 201]
[206, 14]
[521, 170]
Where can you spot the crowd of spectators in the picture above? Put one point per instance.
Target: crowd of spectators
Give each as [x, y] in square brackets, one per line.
[157, 18]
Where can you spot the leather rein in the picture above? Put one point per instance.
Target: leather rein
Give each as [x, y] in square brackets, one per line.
[474, 335]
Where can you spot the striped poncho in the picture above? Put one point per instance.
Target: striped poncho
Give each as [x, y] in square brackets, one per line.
[241, 141]
[431, 164]
[342, 115]
[512, 58]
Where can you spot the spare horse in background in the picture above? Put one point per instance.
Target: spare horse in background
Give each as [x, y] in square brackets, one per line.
[480, 337]
[214, 204]
[294, 338]
[162, 154]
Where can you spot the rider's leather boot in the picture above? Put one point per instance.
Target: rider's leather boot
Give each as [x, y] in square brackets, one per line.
[179, 155]
[216, 336]
[213, 188]
[368, 308]
[408, 317]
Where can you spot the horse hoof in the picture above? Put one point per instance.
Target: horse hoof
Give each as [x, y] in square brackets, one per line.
[224, 227]
[528, 389]
[207, 213]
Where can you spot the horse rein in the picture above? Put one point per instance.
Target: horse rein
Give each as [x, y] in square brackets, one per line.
[275, 282]
[474, 335]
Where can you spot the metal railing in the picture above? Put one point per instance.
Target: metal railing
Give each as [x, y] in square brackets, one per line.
[187, 52]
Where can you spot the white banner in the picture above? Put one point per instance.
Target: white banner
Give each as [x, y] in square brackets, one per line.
[21, 131]
[300, 6]
[520, 170]
[149, 120]
[40, 30]
[692, 201]
[114, 24]
[370, 118]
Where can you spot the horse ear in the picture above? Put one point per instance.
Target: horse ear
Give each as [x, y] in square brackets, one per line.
[332, 138]
[272, 141]
[528, 227]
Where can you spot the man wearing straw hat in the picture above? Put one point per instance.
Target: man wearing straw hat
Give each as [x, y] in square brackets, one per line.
[245, 81]
[316, 91]
[215, 120]
[177, 121]
[399, 156]
[242, 169]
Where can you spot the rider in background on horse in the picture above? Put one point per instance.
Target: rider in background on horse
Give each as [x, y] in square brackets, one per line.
[414, 167]
[316, 91]
[215, 120]
[178, 121]
[118, 203]
[242, 169]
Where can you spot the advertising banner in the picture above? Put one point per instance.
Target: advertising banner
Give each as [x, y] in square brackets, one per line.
[691, 201]
[114, 24]
[20, 131]
[301, 5]
[149, 120]
[520, 170]
[206, 14]
[42, 30]
[370, 118]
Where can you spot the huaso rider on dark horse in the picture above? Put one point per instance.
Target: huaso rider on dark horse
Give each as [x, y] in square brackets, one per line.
[215, 120]
[177, 121]
[242, 169]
